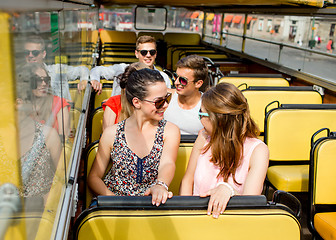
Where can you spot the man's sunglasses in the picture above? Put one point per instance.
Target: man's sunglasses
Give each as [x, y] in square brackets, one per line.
[34, 52]
[159, 103]
[183, 80]
[152, 52]
[202, 114]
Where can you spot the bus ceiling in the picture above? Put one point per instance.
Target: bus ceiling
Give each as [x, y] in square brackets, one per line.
[289, 7]
[209, 3]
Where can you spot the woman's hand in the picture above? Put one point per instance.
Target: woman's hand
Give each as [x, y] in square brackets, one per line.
[219, 197]
[159, 194]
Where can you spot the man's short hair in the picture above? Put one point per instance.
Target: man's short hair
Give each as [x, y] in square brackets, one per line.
[36, 39]
[195, 63]
[145, 39]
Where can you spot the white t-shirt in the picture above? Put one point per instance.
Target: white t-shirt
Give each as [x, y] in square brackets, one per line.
[60, 74]
[186, 120]
[112, 72]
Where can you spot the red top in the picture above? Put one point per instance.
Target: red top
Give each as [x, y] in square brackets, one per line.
[57, 105]
[115, 104]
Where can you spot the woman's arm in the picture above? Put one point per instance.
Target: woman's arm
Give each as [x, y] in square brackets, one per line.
[109, 118]
[53, 144]
[187, 183]
[66, 117]
[167, 164]
[101, 162]
[257, 171]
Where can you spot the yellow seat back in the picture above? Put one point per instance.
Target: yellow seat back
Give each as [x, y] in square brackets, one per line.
[288, 130]
[74, 117]
[243, 223]
[104, 96]
[90, 155]
[322, 215]
[117, 37]
[259, 99]
[76, 97]
[94, 36]
[96, 124]
[324, 189]
[173, 38]
[182, 160]
[255, 81]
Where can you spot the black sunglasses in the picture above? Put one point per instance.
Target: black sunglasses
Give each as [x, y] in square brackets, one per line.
[159, 103]
[39, 80]
[183, 80]
[152, 52]
[34, 52]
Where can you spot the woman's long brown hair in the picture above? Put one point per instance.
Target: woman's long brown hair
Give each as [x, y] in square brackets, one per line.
[231, 123]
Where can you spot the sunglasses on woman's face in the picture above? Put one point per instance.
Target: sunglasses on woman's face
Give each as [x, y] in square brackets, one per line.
[39, 80]
[183, 80]
[202, 114]
[159, 103]
[152, 52]
[34, 52]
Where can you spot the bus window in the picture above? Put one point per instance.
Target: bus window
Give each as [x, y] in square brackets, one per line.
[150, 18]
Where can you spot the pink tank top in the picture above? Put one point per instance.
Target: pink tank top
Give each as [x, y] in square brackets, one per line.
[206, 172]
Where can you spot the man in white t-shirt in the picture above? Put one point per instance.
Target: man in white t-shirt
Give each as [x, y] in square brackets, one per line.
[146, 53]
[60, 74]
[191, 73]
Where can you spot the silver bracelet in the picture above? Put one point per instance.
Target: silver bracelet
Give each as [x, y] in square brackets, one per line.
[228, 186]
[161, 183]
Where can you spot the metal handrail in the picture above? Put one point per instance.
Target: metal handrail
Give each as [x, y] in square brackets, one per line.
[280, 44]
[71, 188]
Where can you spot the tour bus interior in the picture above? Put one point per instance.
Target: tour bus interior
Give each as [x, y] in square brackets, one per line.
[275, 48]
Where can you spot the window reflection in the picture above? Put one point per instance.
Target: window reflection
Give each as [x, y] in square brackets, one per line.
[40, 144]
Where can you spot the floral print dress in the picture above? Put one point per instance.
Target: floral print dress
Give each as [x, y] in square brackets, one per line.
[131, 175]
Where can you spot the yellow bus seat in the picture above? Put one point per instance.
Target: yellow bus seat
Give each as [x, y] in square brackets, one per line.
[96, 124]
[118, 53]
[74, 118]
[255, 81]
[107, 61]
[109, 81]
[35, 219]
[90, 155]
[76, 97]
[73, 83]
[174, 53]
[173, 39]
[184, 217]
[117, 36]
[183, 154]
[94, 37]
[104, 96]
[29, 223]
[325, 224]
[288, 130]
[322, 188]
[108, 47]
[206, 52]
[259, 97]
